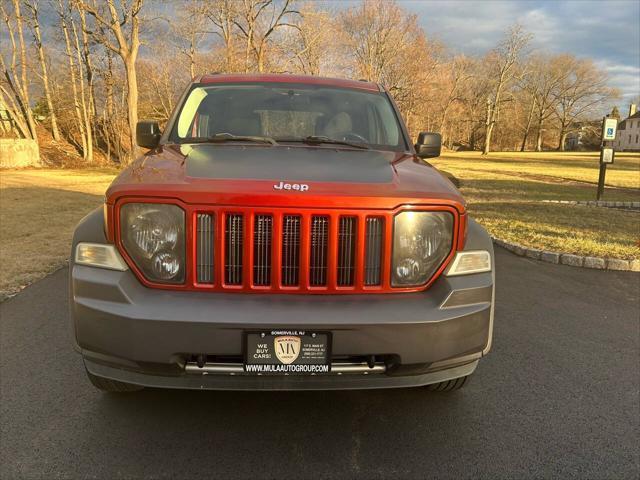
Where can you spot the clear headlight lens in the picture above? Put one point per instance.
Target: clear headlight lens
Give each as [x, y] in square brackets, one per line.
[421, 242]
[153, 235]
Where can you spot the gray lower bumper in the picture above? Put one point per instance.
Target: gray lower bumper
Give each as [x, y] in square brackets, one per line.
[289, 382]
[134, 334]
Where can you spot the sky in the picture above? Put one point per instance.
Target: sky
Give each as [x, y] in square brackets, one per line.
[607, 31]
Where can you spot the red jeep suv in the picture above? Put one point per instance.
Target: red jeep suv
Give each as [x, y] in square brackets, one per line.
[282, 232]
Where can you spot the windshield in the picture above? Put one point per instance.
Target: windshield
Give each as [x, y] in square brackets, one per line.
[289, 113]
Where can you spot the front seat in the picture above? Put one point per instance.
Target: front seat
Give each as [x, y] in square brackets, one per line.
[250, 125]
[338, 126]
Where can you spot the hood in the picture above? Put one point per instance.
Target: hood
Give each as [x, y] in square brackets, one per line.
[300, 175]
[291, 164]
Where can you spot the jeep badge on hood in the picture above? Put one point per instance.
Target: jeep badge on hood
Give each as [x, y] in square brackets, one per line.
[301, 187]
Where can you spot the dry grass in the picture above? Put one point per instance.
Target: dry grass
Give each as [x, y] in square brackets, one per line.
[504, 192]
[38, 212]
[552, 166]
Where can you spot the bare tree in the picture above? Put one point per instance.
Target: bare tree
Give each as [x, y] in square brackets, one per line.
[257, 21]
[389, 47]
[580, 91]
[457, 73]
[34, 23]
[124, 25]
[505, 58]
[88, 64]
[376, 30]
[67, 25]
[190, 30]
[223, 13]
[308, 42]
[87, 115]
[527, 127]
[16, 91]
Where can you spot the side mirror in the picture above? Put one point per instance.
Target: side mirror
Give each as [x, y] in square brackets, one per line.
[148, 134]
[428, 145]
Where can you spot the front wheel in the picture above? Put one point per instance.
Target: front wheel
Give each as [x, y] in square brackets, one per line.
[449, 385]
[114, 386]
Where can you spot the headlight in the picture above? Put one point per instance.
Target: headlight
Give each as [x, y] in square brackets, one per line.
[153, 236]
[421, 242]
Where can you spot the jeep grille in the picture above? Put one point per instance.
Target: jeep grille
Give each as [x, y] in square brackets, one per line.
[308, 250]
[292, 238]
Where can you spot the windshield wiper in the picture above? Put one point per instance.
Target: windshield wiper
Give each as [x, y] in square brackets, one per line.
[229, 137]
[318, 139]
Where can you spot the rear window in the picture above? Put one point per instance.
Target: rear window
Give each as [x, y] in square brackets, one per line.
[287, 112]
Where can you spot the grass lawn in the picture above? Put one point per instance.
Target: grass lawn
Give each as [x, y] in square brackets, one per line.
[38, 212]
[553, 166]
[504, 191]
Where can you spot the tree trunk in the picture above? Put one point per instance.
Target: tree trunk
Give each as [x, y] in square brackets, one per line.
[563, 140]
[45, 74]
[16, 119]
[487, 140]
[489, 129]
[72, 75]
[86, 107]
[86, 55]
[528, 127]
[539, 137]
[132, 102]
[108, 81]
[192, 55]
[261, 60]
[23, 61]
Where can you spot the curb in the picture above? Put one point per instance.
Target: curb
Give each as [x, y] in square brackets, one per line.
[558, 258]
[598, 203]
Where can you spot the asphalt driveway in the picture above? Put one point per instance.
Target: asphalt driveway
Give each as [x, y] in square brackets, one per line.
[557, 397]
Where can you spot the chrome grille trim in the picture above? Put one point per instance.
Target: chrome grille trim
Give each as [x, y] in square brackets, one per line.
[346, 251]
[205, 245]
[234, 233]
[262, 241]
[319, 248]
[373, 250]
[290, 264]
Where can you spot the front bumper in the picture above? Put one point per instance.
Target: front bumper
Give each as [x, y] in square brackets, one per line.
[134, 334]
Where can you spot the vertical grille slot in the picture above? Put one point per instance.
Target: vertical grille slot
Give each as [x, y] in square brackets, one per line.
[262, 235]
[204, 252]
[373, 250]
[290, 269]
[346, 251]
[234, 234]
[319, 249]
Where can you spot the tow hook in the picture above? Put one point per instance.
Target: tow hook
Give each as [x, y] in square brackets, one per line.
[202, 359]
[371, 361]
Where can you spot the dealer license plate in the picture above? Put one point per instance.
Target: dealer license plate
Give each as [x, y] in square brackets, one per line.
[287, 352]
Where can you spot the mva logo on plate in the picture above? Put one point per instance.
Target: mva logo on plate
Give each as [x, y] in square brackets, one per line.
[287, 349]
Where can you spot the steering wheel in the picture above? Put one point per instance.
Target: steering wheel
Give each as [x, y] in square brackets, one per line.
[354, 137]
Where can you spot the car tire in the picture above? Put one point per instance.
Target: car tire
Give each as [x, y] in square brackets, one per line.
[449, 385]
[114, 386]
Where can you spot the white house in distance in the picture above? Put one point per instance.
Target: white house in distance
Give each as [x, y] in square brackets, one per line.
[628, 133]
